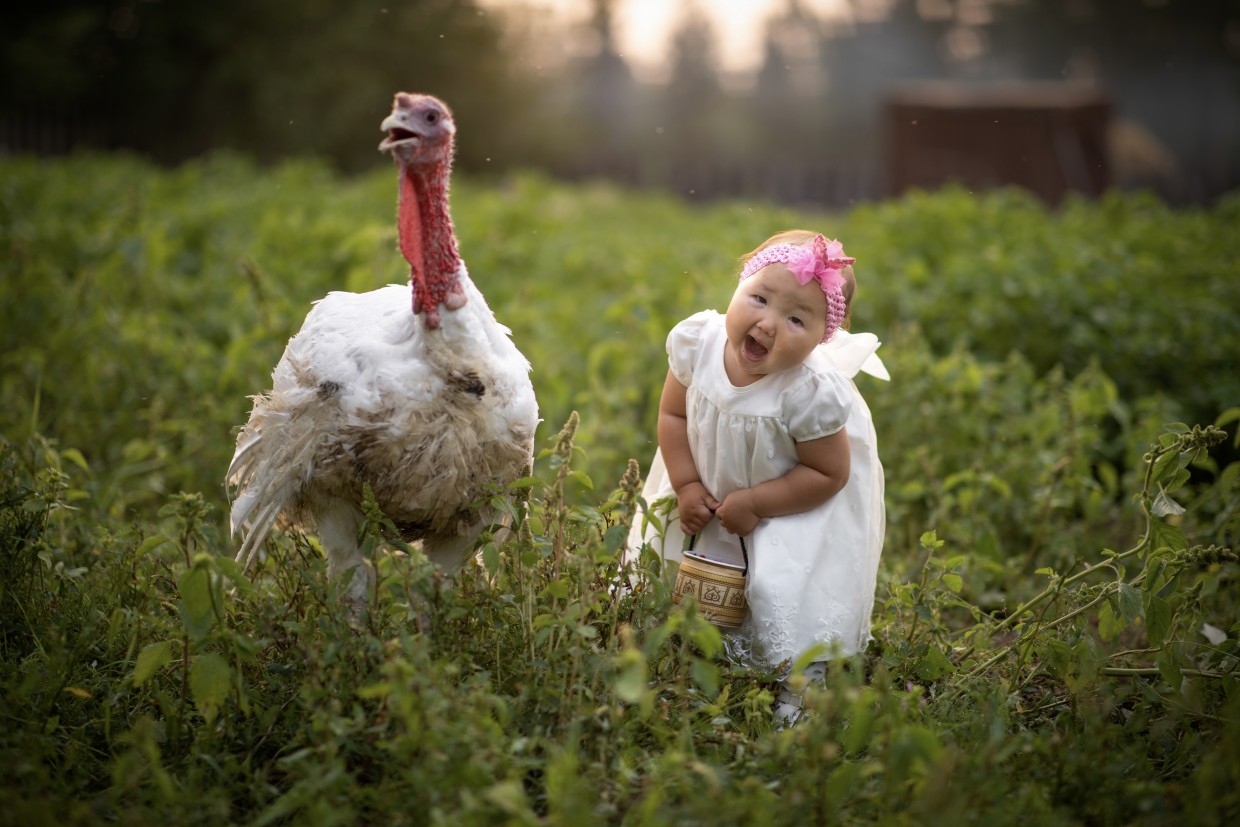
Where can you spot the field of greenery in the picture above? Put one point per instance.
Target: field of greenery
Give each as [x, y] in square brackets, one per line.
[1056, 626]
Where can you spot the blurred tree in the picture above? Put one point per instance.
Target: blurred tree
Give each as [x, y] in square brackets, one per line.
[607, 97]
[693, 96]
[790, 93]
[863, 62]
[174, 79]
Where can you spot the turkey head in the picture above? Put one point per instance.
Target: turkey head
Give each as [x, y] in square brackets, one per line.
[420, 133]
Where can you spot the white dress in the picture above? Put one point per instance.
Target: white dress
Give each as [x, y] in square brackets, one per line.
[811, 575]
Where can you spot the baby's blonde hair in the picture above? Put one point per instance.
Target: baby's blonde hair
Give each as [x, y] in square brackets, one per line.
[800, 238]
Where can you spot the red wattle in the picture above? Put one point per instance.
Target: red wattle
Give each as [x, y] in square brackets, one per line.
[428, 243]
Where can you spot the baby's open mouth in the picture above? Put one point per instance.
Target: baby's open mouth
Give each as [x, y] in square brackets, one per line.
[754, 350]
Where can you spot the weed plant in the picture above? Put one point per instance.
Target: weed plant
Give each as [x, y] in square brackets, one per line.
[1056, 624]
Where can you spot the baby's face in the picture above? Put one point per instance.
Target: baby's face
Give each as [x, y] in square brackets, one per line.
[773, 323]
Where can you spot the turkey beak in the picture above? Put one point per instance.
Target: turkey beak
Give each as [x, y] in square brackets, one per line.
[400, 133]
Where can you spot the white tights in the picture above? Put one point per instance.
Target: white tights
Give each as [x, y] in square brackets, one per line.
[788, 707]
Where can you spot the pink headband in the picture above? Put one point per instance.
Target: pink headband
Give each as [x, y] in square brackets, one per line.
[822, 261]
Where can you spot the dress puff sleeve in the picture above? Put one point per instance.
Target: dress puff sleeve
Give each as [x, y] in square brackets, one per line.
[683, 344]
[817, 407]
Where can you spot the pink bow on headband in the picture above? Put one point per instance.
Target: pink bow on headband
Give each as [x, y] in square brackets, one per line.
[822, 261]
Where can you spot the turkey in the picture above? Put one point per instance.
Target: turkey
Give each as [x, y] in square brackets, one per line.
[429, 403]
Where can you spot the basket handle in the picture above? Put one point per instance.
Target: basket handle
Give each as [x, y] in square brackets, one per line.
[744, 551]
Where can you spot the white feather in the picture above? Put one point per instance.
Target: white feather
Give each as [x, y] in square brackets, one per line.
[366, 394]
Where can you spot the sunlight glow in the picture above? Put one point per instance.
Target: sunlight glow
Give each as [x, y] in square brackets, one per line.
[645, 28]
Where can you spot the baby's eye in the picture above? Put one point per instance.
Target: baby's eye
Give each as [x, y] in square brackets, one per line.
[760, 299]
[796, 320]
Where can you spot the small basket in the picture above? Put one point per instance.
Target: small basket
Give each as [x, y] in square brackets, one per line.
[718, 586]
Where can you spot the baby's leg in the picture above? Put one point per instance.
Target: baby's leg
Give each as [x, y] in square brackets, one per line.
[789, 706]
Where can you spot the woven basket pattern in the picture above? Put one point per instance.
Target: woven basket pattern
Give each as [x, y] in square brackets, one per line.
[719, 588]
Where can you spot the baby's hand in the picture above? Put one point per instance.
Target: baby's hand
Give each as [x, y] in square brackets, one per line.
[737, 514]
[696, 507]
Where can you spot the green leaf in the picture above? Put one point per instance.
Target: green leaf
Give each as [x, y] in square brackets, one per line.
[1060, 655]
[840, 782]
[235, 572]
[1173, 431]
[1165, 535]
[1164, 506]
[196, 611]
[382, 689]
[1178, 479]
[913, 750]
[509, 796]
[1157, 620]
[860, 725]
[150, 544]
[1086, 661]
[1110, 623]
[1154, 568]
[490, 558]
[934, 664]
[1129, 602]
[1228, 416]
[706, 676]
[151, 659]
[705, 636]
[1169, 667]
[1164, 466]
[953, 581]
[210, 680]
[614, 537]
[630, 684]
[582, 479]
[75, 456]
[816, 652]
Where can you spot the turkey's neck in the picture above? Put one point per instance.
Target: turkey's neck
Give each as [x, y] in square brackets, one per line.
[427, 241]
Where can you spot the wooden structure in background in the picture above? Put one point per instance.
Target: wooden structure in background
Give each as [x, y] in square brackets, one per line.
[1050, 138]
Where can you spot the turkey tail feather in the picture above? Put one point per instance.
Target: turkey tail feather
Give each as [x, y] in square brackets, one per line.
[256, 534]
[267, 470]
